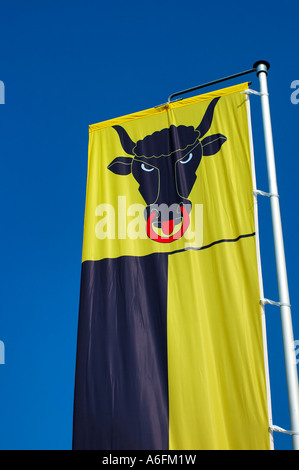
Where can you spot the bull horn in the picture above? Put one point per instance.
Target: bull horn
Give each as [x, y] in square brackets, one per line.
[126, 141]
[206, 121]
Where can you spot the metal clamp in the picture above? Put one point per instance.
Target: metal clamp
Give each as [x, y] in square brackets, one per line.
[284, 431]
[253, 92]
[258, 192]
[272, 302]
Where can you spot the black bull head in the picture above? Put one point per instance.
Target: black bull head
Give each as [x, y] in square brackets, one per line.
[164, 164]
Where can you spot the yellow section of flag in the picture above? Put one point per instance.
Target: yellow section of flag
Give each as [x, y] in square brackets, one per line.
[217, 389]
[222, 202]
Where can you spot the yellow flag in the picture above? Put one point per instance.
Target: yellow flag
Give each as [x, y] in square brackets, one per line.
[170, 339]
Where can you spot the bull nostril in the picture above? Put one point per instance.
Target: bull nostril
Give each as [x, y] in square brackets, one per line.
[153, 213]
[166, 215]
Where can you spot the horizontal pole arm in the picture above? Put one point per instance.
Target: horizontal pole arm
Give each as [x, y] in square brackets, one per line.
[214, 82]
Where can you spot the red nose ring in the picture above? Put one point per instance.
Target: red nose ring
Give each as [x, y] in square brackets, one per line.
[167, 227]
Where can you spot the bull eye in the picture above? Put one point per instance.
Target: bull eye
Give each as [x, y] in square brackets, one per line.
[184, 160]
[145, 167]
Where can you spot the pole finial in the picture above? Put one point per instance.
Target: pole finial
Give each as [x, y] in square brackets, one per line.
[261, 66]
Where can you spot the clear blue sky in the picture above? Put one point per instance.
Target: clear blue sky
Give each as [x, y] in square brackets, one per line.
[70, 63]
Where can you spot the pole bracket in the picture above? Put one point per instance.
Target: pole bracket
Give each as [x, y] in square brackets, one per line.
[284, 431]
[258, 192]
[272, 302]
[254, 92]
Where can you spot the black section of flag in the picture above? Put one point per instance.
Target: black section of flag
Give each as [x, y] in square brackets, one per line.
[121, 389]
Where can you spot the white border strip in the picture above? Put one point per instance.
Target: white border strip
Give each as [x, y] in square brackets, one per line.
[266, 362]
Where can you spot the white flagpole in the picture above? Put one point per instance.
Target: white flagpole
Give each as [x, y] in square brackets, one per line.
[284, 299]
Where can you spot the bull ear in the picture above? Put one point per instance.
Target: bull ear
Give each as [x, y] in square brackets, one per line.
[212, 144]
[121, 165]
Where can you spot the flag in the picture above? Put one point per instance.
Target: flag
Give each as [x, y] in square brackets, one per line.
[171, 348]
